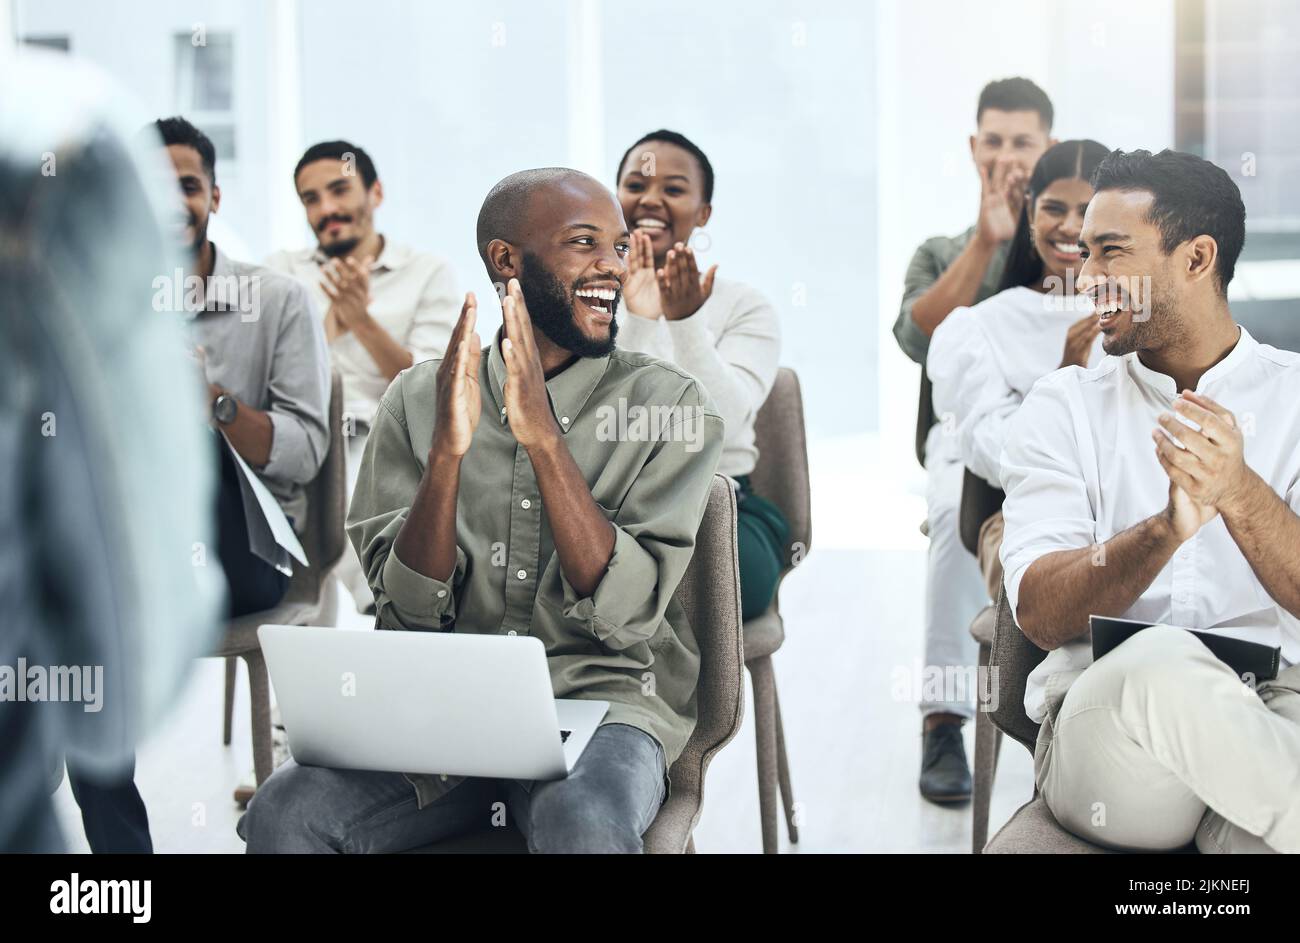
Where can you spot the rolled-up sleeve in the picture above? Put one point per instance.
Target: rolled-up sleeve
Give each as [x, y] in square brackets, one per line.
[654, 532]
[1047, 507]
[298, 393]
[387, 480]
[922, 272]
[436, 315]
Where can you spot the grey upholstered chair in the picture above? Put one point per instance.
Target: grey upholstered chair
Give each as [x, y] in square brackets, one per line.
[980, 501]
[312, 598]
[1032, 829]
[781, 476]
[925, 417]
[710, 596]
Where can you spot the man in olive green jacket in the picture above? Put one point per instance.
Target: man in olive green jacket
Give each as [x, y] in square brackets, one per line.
[552, 488]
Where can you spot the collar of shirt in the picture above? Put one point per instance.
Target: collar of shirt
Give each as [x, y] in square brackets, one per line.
[1240, 354]
[222, 289]
[569, 389]
[391, 257]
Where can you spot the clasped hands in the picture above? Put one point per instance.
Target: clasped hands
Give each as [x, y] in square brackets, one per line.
[1208, 476]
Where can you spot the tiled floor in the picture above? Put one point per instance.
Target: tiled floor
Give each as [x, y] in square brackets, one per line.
[852, 617]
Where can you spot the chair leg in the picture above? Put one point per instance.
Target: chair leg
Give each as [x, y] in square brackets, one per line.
[783, 769]
[760, 672]
[229, 713]
[988, 740]
[259, 696]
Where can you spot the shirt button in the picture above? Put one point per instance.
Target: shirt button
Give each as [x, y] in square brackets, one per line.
[442, 593]
[512, 632]
[443, 777]
[525, 504]
[503, 410]
[522, 574]
[564, 419]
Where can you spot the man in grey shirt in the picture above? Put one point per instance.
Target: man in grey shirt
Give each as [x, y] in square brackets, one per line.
[1013, 129]
[262, 351]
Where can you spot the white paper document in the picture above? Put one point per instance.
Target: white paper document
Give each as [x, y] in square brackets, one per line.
[272, 513]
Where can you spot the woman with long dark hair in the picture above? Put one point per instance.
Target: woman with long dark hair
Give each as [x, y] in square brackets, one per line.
[984, 359]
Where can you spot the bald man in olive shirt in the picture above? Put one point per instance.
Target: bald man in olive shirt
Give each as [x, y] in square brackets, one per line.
[519, 453]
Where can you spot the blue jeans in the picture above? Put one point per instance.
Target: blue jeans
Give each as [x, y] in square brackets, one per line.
[604, 805]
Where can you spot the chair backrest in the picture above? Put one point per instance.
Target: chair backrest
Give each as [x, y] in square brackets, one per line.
[781, 475]
[924, 416]
[709, 594]
[1011, 658]
[327, 501]
[979, 501]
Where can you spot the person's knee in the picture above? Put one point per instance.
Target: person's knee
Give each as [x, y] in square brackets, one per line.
[279, 815]
[760, 571]
[1153, 663]
[567, 822]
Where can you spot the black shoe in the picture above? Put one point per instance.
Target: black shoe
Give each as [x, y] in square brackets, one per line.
[945, 774]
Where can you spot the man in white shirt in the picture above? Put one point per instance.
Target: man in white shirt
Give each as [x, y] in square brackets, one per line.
[386, 305]
[1128, 498]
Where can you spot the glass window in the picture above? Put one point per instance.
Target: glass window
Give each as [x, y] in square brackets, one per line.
[205, 85]
[1239, 67]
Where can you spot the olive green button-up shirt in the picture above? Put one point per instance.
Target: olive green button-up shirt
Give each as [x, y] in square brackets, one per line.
[647, 439]
[930, 261]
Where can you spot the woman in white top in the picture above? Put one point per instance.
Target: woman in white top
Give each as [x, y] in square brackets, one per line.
[724, 333]
[983, 360]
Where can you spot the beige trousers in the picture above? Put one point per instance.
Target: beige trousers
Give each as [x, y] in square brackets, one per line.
[990, 565]
[1159, 743]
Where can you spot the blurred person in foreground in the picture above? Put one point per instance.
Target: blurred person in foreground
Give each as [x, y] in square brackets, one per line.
[106, 586]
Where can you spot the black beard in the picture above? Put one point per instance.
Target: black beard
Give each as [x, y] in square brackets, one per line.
[550, 308]
[1160, 325]
[339, 248]
[195, 248]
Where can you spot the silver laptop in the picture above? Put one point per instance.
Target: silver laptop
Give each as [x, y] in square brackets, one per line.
[424, 702]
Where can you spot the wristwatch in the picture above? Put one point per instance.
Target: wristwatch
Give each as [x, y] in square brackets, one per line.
[224, 408]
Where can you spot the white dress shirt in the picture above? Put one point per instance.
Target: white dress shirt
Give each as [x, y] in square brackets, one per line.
[413, 297]
[1079, 467]
[983, 360]
[732, 345]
